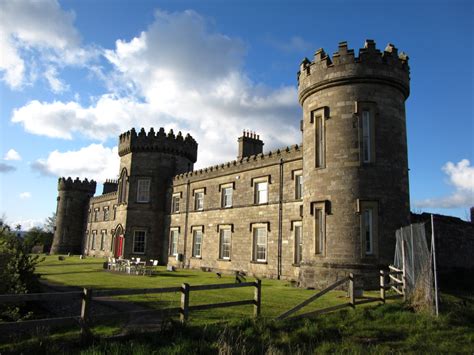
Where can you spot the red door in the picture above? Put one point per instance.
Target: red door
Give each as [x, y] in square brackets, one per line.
[118, 246]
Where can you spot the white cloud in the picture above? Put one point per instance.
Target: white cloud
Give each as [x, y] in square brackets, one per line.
[56, 85]
[25, 195]
[12, 154]
[293, 44]
[178, 73]
[27, 224]
[6, 168]
[93, 162]
[461, 176]
[36, 33]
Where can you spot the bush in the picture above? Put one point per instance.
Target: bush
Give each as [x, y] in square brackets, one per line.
[17, 275]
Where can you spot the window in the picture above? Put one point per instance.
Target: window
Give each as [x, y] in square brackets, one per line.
[199, 200]
[68, 203]
[320, 142]
[123, 187]
[227, 197]
[143, 190]
[367, 230]
[319, 230]
[115, 212]
[197, 243]
[224, 243]
[260, 244]
[102, 239]
[298, 186]
[261, 192]
[175, 204]
[298, 234]
[139, 239]
[174, 236]
[112, 243]
[92, 246]
[106, 213]
[366, 137]
[89, 217]
[96, 215]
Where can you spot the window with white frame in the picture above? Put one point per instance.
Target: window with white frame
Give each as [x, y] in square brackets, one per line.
[366, 137]
[197, 242]
[298, 185]
[298, 237]
[174, 237]
[199, 200]
[139, 241]
[225, 235]
[175, 203]
[260, 244]
[102, 239]
[320, 141]
[261, 192]
[227, 196]
[319, 228]
[143, 190]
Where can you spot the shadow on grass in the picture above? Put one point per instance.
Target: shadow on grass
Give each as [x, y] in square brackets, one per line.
[69, 272]
[76, 264]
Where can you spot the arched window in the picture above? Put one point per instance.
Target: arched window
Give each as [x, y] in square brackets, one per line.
[123, 187]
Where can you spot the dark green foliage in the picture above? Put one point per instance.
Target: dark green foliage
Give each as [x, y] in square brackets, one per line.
[38, 236]
[17, 269]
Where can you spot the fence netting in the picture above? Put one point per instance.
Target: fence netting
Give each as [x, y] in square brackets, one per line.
[414, 257]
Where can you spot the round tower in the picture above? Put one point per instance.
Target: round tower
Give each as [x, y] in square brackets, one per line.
[148, 162]
[71, 214]
[355, 163]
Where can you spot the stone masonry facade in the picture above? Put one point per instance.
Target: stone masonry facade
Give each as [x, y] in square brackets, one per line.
[312, 212]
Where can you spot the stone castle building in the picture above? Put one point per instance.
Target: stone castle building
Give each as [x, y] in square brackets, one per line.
[311, 212]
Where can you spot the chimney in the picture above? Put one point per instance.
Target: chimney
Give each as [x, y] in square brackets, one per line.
[110, 186]
[249, 144]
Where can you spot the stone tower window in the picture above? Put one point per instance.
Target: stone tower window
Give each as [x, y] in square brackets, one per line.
[320, 142]
[366, 137]
[368, 226]
[143, 190]
[139, 241]
[319, 227]
[123, 187]
[367, 112]
[298, 238]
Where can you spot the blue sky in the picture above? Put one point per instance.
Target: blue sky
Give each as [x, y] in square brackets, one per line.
[75, 74]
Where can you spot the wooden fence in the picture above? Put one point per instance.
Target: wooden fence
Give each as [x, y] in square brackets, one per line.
[353, 299]
[86, 318]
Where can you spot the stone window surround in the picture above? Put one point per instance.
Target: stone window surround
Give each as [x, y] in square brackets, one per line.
[123, 187]
[92, 241]
[295, 224]
[367, 204]
[135, 230]
[96, 214]
[253, 228]
[175, 202]
[372, 108]
[294, 176]
[222, 189]
[172, 230]
[103, 234]
[323, 113]
[106, 213]
[255, 183]
[320, 238]
[196, 192]
[194, 229]
[140, 181]
[220, 228]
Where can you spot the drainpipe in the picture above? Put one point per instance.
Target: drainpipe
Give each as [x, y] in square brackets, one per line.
[280, 220]
[186, 222]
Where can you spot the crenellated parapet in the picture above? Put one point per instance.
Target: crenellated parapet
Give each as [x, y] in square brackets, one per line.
[163, 142]
[370, 66]
[68, 184]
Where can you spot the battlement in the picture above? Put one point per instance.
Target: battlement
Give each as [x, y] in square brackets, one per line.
[170, 143]
[78, 185]
[370, 65]
[290, 152]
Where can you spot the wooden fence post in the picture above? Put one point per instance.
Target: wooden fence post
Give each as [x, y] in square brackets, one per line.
[85, 312]
[382, 286]
[257, 297]
[351, 290]
[184, 313]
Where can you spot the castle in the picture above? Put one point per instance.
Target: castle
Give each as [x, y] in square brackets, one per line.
[312, 212]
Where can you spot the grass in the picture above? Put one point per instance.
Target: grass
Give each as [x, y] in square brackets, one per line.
[373, 329]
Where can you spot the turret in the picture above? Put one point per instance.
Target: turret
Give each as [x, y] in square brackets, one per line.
[71, 213]
[355, 166]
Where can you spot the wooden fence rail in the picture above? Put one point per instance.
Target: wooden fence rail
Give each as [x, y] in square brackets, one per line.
[85, 319]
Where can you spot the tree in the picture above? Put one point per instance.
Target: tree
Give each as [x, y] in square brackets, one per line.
[38, 236]
[50, 223]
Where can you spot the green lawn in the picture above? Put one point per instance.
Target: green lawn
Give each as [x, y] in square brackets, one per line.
[277, 296]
